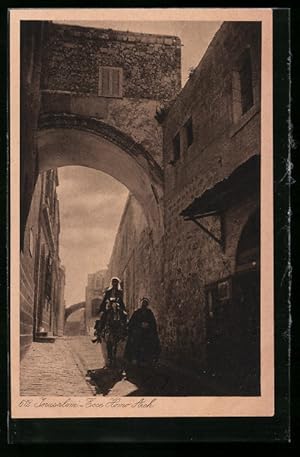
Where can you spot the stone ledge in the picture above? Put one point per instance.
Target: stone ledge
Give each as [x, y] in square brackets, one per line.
[116, 35]
[45, 339]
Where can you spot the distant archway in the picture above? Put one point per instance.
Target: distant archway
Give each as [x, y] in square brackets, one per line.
[67, 139]
[73, 308]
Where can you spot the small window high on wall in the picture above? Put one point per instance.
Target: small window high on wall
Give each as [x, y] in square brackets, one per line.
[110, 82]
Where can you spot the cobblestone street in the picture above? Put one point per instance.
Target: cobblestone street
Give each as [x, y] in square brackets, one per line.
[74, 366]
[52, 369]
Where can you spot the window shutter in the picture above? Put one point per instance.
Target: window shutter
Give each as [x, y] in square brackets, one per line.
[115, 82]
[105, 82]
[110, 82]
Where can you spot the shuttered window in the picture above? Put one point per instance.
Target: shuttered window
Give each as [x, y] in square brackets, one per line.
[110, 82]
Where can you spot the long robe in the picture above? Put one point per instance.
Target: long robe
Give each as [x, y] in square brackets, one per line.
[143, 342]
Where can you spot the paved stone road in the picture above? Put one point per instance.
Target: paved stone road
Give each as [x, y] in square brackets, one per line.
[74, 366]
[51, 369]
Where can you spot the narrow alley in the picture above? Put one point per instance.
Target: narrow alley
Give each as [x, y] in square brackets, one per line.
[141, 209]
[74, 366]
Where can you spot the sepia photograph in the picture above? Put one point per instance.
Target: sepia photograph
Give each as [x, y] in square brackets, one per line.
[142, 148]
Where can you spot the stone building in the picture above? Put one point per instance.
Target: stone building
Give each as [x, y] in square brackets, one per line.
[42, 276]
[61, 301]
[208, 304]
[94, 293]
[99, 110]
[189, 235]
[211, 164]
[134, 258]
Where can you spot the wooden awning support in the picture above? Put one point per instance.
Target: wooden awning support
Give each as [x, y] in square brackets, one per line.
[216, 200]
[195, 219]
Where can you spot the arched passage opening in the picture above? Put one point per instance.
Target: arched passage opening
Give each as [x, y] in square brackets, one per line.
[68, 140]
[246, 300]
[74, 324]
[77, 140]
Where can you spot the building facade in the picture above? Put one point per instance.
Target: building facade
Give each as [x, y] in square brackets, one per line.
[189, 237]
[94, 293]
[136, 259]
[42, 276]
[208, 305]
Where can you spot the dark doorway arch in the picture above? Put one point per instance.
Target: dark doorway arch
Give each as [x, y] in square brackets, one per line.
[246, 305]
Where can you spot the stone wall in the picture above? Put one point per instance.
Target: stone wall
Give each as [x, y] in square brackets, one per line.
[136, 259]
[94, 290]
[32, 33]
[28, 266]
[150, 75]
[41, 240]
[220, 144]
[151, 63]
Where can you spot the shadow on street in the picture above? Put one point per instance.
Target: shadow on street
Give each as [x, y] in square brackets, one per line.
[161, 381]
[147, 381]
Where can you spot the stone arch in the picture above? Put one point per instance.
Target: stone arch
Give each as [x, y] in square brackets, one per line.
[73, 308]
[68, 139]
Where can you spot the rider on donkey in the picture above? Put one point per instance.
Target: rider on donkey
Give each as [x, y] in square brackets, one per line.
[113, 295]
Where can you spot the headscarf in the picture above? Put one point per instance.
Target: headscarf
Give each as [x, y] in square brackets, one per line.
[119, 283]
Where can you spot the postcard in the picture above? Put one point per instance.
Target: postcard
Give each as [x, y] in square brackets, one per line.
[141, 145]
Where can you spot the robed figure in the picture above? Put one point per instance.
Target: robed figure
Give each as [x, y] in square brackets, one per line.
[143, 346]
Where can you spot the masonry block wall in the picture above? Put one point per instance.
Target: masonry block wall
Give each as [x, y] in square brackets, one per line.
[94, 290]
[147, 72]
[28, 270]
[32, 33]
[221, 141]
[136, 259]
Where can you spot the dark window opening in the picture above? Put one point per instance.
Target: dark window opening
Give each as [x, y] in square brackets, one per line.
[176, 148]
[189, 132]
[245, 73]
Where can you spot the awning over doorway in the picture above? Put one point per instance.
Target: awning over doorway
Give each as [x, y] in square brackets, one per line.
[245, 179]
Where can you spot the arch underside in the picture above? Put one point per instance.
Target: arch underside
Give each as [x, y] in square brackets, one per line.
[76, 140]
[73, 308]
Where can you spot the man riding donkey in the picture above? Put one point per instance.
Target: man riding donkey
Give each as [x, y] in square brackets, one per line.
[112, 323]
